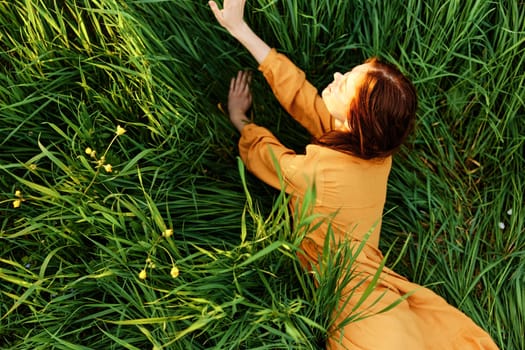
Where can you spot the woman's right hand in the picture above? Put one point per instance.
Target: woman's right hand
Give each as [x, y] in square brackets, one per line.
[231, 17]
[240, 99]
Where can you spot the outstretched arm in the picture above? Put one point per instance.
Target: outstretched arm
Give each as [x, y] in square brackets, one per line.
[231, 17]
[289, 84]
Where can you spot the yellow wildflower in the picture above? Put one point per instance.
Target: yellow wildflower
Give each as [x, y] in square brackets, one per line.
[17, 203]
[120, 130]
[143, 274]
[101, 162]
[174, 272]
[108, 168]
[168, 233]
[91, 152]
[18, 194]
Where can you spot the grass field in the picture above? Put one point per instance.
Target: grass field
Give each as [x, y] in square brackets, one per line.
[127, 222]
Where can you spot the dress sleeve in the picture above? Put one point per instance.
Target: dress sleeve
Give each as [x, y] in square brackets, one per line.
[266, 157]
[297, 96]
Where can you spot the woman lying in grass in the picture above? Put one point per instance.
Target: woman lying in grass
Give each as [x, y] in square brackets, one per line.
[361, 119]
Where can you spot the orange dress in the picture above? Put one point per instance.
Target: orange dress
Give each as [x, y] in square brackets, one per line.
[354, 189]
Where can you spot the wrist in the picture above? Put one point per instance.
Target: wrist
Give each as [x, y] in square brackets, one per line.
[239, 121]
[240, 31]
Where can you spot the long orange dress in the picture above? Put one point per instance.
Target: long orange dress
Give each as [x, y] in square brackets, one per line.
[356, 190]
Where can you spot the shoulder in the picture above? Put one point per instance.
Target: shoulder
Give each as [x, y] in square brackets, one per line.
[328, 160]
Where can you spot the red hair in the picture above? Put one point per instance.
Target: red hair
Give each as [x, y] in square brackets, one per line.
[380, 116]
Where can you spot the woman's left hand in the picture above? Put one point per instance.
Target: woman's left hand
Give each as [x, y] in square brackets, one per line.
[240, 99]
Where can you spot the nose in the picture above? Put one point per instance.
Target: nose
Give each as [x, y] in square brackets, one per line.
[337, 76]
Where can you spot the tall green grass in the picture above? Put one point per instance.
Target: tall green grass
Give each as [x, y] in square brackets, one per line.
[71, 254]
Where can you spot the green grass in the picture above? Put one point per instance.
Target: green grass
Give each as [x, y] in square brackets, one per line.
[70, 255]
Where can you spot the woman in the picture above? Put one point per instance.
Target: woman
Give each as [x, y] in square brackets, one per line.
[361, 118]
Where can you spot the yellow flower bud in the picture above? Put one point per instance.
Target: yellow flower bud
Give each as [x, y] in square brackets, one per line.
[91, 152]
[174, 272]
[143, 274]
[17, 203]
[108, 168]
[168, 233]
[120, 130]
[18, 194]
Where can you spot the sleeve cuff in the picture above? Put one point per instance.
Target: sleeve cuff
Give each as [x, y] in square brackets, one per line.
[248, 128]
[267, 62]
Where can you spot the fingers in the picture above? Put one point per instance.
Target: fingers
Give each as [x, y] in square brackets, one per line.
[231, 16]
[216, 11]
[235, 4]
[239, 98]
[213, 5]
[240, 85]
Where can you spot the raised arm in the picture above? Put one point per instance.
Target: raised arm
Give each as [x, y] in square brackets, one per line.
[231, 17]
[288, 82]
[297, 96]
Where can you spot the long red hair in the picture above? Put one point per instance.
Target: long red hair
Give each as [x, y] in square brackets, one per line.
[380, 116]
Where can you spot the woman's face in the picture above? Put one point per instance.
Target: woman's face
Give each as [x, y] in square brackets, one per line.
[338, 94]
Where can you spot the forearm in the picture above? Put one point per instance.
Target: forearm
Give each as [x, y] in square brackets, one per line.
[295, 94]
[252, 42]
[265, 156]
[231, 17]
